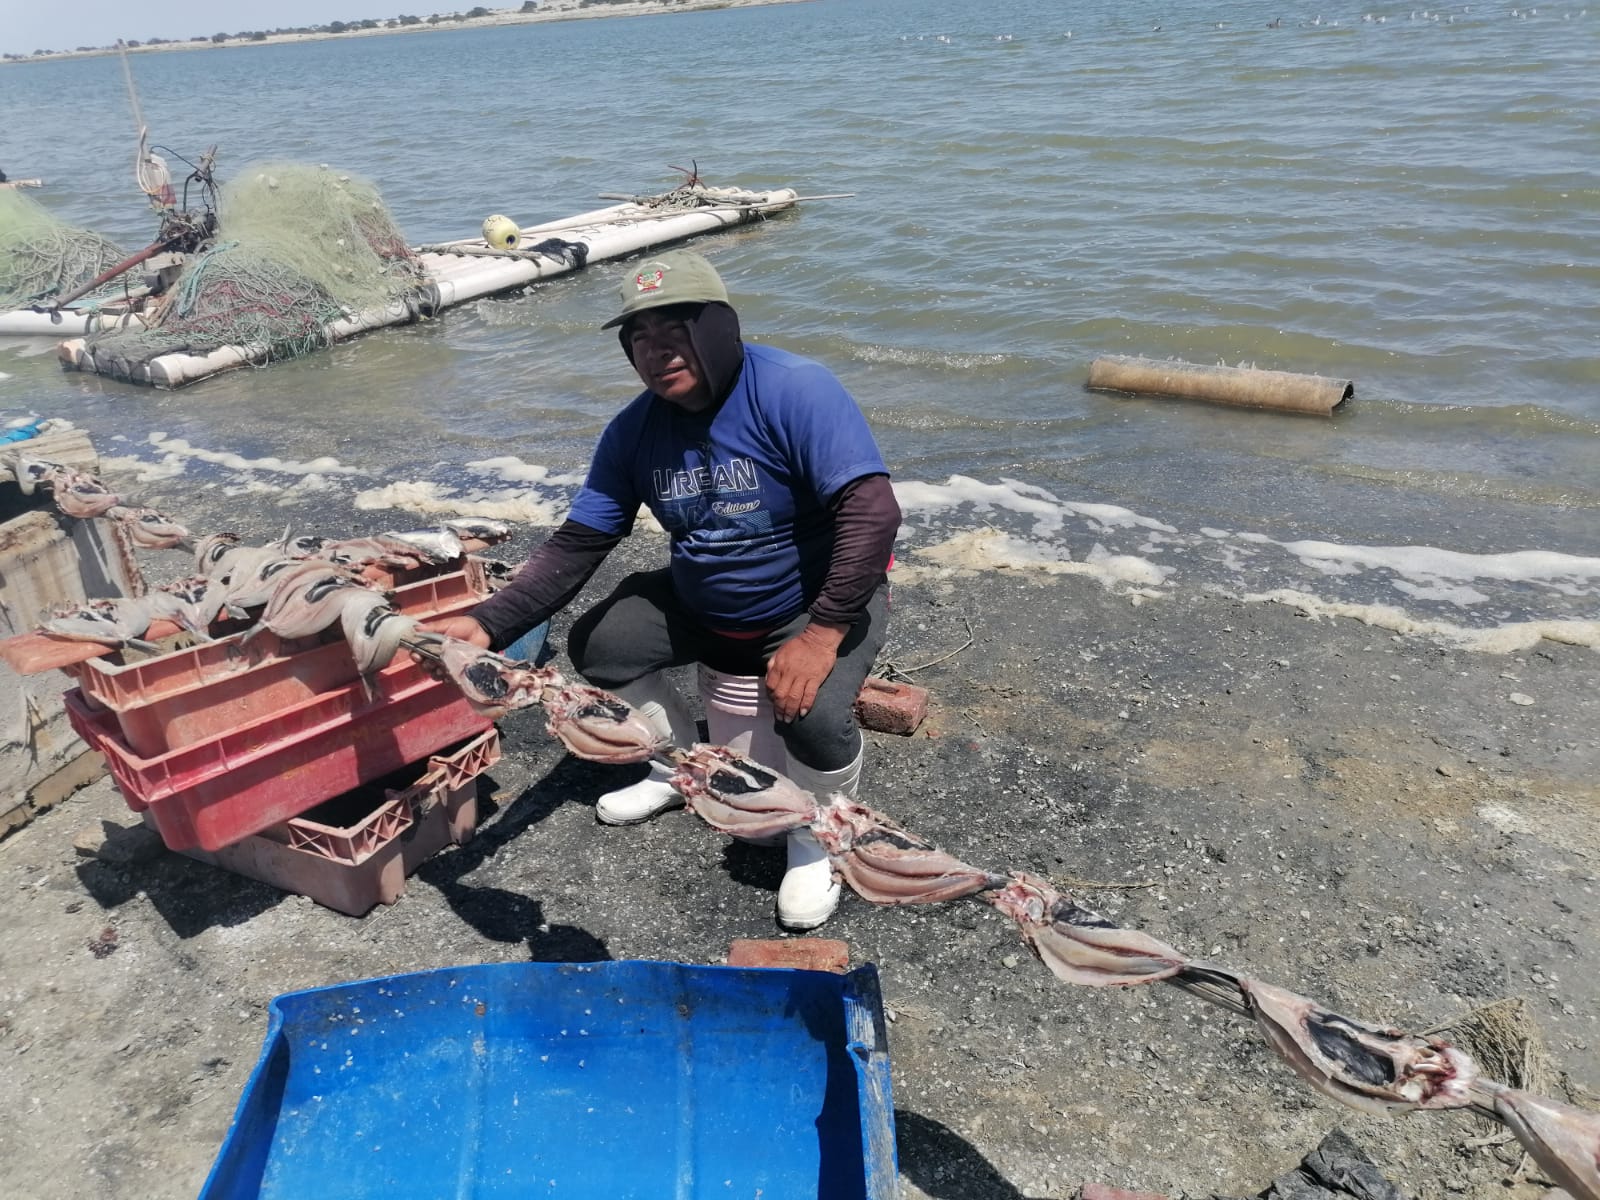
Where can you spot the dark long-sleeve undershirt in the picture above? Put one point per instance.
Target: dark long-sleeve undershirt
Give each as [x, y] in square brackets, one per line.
[866, 518]
[552, 576]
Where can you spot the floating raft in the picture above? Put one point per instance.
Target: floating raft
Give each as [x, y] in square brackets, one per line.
[471, 268]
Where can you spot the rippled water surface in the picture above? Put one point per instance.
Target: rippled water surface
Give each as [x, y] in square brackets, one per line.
[1409, 202]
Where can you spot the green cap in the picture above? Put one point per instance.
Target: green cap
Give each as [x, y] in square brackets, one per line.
[677, 277]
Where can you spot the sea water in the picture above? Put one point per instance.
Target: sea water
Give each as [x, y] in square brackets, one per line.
[1397, 196]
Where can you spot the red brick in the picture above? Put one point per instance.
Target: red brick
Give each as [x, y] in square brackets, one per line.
[891, 707]
[1099, 1191]
[800, 954]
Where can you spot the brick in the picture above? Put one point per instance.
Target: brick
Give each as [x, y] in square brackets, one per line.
[1099, 1191]
[891, 707]
[800, 954]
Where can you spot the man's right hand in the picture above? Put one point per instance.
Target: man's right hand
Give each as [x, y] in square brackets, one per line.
[463, 629]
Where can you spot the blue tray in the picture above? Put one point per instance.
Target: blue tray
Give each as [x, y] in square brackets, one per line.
[605, 1080]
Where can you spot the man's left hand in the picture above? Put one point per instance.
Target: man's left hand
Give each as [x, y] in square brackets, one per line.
[799, 667]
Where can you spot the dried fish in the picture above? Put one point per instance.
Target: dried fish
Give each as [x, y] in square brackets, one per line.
[192, 603]
[253, 575]
[488, 532]
[308, 596]
[306, 545]
[436, 545]
[114, 622]
[740, 797]
[81, 495]
[1078, 944]
[361, 552]
[212, 551]
[886, 864]
[492, 683]
[596, 725]
[374, 630]
[31, 472]
[149, 529]
[1565, 1141]
[1367, 1067]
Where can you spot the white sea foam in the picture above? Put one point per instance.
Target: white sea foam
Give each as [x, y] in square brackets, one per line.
[1428, 564]
[516, 470]
[1049, 512]
[237, 462]
[1126, 568]
[1250, 561]
[992, 550]
[1459, 595]
[423, 496]
[252, 487]
[1499, 639]
[926, 358]
[167, 467]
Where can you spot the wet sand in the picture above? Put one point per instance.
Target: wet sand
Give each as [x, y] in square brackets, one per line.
[1364, 818]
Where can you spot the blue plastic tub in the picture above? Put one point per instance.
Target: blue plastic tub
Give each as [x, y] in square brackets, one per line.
[604, 1080]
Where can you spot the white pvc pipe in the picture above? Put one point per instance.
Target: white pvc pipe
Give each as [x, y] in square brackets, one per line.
[23, 322]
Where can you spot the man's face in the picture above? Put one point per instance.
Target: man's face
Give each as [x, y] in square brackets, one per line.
[665, 359]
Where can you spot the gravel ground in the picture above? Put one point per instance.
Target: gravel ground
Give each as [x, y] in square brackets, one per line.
[1368, 820]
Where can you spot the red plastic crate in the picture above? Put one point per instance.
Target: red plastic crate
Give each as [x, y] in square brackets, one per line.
[180, 699]
[450, 776]
[215, 792]
[355, 866]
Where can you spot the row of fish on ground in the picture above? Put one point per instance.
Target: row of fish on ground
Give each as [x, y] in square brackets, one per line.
[1372, 1068]
[304, 585]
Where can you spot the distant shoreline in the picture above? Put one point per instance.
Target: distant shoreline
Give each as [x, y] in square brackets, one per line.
[549, 10]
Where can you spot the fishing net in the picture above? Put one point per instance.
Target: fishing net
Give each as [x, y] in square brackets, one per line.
[298, 248]
[42, 256]
[1505, 1040]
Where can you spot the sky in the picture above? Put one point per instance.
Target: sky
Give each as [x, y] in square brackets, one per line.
[29, 25]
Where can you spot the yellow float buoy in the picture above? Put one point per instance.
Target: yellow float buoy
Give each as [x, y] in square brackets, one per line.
[501, 232]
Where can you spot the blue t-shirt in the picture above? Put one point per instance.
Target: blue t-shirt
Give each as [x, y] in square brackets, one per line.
[742, 488]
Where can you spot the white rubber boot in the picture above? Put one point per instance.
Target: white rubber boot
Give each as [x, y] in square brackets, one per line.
[739, 716]
[809, 893]
[660, 704]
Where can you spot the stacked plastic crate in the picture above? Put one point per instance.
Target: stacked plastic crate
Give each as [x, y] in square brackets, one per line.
[277, 760]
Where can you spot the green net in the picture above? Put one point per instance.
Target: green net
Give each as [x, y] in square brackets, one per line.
[42, 256]
[298, 247]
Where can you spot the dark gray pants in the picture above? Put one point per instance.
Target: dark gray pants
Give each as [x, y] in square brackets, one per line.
[643, 627]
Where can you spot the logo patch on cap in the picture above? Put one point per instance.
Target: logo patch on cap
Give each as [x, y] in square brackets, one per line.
[650, 281]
